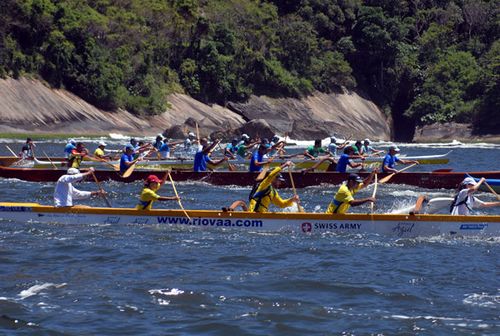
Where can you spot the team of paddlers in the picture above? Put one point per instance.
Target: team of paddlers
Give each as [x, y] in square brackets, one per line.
[264, 192]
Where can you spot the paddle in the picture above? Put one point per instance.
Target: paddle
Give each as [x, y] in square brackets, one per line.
[177, 195]
[374, 192]
[131, 168]
[388, 177]
[108, 203]
[94, 159]
[10, 150]
[301, 209]
[52, 163]
[262, 173]
[490, 188]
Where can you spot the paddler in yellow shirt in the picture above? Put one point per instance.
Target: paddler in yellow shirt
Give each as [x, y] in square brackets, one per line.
[265, 194]
[149, 195]
[344, 198]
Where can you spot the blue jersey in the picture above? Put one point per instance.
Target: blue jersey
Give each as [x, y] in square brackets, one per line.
[232, 148]
[123, 159]
[157, 144]
[342, 163]
[200, 161]
[67, 150]
[256, 157]
[389, 161]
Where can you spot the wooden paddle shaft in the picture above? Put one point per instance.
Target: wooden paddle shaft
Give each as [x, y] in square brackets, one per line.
[177, 195]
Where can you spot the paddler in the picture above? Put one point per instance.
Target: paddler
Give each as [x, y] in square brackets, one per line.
[259, 159]
[69, 147]
[77, 155]
[314, 151]
[464, 201]
[27, 151]
[65, 193]
[265, 192]
[369, 150]
[345, 160]
[245, 144]
[344, 198]
[333, 147]
[100, 151]
[202, 156]
[391, 159]
[127, 158]
[149, 195]
[231, 149]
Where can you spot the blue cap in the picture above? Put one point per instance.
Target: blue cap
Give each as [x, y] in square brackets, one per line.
[129, 146]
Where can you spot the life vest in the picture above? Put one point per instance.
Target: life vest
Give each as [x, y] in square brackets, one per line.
[144, 204]
[74, 158]
[337, 205]
[257, 196]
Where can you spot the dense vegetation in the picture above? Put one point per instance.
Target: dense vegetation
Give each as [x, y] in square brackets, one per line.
[423, 61]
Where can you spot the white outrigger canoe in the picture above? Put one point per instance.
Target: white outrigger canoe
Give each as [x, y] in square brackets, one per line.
[395, 225]
[187, 163]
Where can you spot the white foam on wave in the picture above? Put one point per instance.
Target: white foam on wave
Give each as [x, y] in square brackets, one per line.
[34, 290]
[166, 291]
[482, 300]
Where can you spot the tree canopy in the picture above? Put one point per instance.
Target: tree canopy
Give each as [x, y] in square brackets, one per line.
[423, 61]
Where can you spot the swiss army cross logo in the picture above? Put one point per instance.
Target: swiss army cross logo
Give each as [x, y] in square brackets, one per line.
[306, 227]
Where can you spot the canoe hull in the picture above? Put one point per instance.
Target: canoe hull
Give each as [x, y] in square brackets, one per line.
[431, 180]
[400, 226]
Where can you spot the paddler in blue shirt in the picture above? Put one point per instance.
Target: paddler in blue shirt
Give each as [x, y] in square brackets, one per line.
[69, 147]
[345, 160]
[391, 159]
[202, 156]
[231, 149]
[265, 193]
[149, 195]
[127, 158]
[258, 159]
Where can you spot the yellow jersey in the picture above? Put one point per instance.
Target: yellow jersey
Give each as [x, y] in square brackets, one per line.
[99, 153]
[148, 196]
[344, 195]
[266, 194]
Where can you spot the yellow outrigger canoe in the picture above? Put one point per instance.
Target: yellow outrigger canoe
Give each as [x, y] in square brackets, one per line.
[396, 225]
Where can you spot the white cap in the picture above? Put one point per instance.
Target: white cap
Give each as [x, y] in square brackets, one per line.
[333, 139]
[191, 134]
[245, 136]
[102, 143]
[71, 141]
[367, 140]
[73, 171]
[394, 147]
[469, 180]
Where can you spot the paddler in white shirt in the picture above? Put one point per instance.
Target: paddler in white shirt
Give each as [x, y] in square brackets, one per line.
[64, 192]
[464, 200]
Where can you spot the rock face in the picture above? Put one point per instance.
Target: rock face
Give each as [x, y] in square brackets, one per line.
[28, 106]
[318, 116]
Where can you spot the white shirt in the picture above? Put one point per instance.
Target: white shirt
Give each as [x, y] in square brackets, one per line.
[64, 192]
[332, 148]
[471, 203]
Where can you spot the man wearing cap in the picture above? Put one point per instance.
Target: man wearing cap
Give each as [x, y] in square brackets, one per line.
[464, 201]
[333, 147]
[345, 160]
[391, 159]
[367, 150]
[65, 193]
[189, 141]
[265, 193]
[127, 158]
[231, 149]
[99, 152]
[69, 147]
[344, 198]
[258, 159]
[202, 156]
[245, 144]
[149, 195]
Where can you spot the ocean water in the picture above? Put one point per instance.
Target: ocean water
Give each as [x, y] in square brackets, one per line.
[155, 280]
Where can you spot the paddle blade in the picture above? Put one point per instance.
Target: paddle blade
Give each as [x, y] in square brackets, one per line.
[385, 179]
[129, 170]
[262, 174]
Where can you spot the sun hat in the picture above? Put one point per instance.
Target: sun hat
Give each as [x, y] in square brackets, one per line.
[469, 180]
[153, 178]
[72, 141]
[355, 177]
[245, 136]
[394, 147]
[73, 171]
[102, 143]
[191, 134]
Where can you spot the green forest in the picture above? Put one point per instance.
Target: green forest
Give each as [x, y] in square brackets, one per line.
[422, 61]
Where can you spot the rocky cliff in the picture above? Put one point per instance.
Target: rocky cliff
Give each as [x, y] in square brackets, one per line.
[29, 106]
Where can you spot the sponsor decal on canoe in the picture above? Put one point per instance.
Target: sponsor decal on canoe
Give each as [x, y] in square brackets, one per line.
[211, 221]
[473, 226]
[403, 228]
[309, 227]
[14, 208]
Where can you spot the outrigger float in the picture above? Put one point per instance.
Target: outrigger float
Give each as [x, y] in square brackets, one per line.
[401, 226]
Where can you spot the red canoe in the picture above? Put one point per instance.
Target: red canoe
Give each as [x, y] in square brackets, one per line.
[431, 180]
